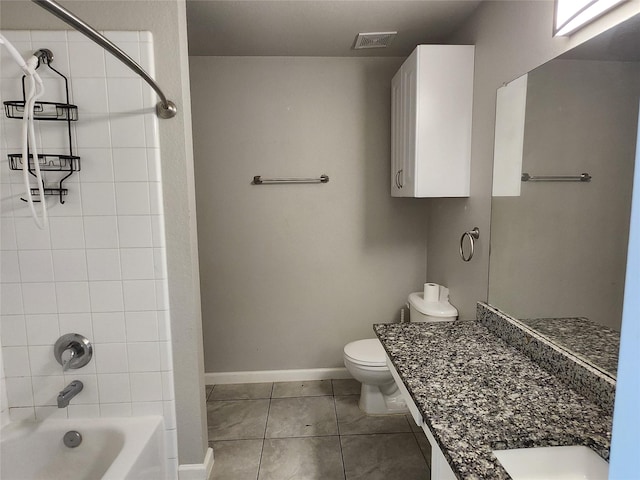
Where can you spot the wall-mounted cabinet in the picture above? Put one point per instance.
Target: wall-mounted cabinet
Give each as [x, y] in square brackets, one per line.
[431, 104]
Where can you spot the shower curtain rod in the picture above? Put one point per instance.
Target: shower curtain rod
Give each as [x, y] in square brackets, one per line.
[165, 108]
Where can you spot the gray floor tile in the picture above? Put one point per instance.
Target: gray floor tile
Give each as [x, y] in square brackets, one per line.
[352, 420]
[425, 446]
[236, 459]
[242, 391]
[315, 458]
[301, 417]
[347, 386]
[313, 388]
[237, 419]
[391, 456]
[414, 427]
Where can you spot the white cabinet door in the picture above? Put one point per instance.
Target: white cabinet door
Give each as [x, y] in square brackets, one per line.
[431, 97]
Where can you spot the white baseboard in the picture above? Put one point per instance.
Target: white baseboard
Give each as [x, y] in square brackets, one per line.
[198, 471]
[219, 378]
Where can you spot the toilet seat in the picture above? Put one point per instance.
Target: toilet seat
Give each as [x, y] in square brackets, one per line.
[368, 352]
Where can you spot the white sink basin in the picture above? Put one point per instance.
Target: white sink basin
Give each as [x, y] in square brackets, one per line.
[553, 463]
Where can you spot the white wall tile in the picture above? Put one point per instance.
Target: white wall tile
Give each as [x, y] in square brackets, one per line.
[164, 326]
[50, 412]
[167, 386]
[146, 387]
[9, 267]
[36, 265]
[127, 130]
[109, 327]
[135, 231]
[13, 330]
[159, 263]
[157, 231]
[142, 326]
[46, 389]
[111, 358]
[104, 264]
[132, 198]
[97, 165]
[106, 296]
[69, 265]
[42, 329]
[115, 410]
[147, 408]
[83, 411]
[39, 297]
[98, 198]
[93, 131]
[22, 414]
[29, 236]
[66, 232]
[171, 443]
[19, 392]
[153, 165]
[11, 299]
[130, 164]
[169, 414]
[16, 361]
[125, 95]
[162, 295]
[139, 295]
[42, 362]
[101, 232]
[114, 388]
[7, 234]
[166, 356]
[90, 94]
[86, 60]
[155, 198]
[76, 323]
[137, 263]
[144, 357]
[73, 297]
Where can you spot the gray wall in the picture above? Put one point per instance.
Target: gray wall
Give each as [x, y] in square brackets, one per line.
[511, 38]
[560, 249]
[291, 273]
[166, 19]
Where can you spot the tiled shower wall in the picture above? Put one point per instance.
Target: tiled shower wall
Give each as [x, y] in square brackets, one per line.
[99, 269]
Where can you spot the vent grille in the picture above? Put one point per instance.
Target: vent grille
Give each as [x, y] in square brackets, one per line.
[374, 40]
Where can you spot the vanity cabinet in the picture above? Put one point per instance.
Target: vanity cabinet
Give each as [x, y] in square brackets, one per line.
[440, 469]
[431, 103]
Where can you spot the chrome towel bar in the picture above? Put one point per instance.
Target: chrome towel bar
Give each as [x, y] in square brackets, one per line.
[258, 180]
[584, 177]
[165, 108]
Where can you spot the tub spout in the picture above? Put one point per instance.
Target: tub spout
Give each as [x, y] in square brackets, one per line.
[69, 392]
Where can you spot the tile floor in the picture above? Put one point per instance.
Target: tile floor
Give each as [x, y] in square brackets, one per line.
[308, 431]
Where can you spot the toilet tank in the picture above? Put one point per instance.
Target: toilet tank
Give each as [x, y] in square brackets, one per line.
[439, 311]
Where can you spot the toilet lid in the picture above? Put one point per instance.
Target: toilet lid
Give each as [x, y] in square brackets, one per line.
[366, 352]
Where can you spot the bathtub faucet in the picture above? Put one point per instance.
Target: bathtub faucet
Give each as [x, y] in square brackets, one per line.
[69, 392]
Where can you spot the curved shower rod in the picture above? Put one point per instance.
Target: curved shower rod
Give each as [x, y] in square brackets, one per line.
[165, 108]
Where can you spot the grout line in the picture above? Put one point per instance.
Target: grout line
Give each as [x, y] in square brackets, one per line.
[264, 436]
[335, 409]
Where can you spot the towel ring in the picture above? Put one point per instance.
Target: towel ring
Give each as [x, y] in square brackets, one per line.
[473, 235]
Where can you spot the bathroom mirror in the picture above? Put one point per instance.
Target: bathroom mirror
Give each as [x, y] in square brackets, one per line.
[558, 241]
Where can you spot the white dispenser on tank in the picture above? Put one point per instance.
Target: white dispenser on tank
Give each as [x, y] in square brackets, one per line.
[431, 305]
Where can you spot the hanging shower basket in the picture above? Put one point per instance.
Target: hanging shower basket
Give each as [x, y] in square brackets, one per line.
[47, 111]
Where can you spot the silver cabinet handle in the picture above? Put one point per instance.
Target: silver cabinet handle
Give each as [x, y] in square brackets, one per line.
[401, 177]
[472, 235]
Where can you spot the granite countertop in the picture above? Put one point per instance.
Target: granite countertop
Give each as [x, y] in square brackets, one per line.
[477, 394]
[590, 341]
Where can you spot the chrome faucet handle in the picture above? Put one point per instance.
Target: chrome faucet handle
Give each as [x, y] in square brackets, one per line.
[72, 351]
[67, 356]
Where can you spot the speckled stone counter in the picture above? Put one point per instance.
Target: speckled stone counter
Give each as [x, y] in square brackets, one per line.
[590, 341]
[476, 394]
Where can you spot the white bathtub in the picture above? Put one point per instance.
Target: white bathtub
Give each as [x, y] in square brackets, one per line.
[111, 449]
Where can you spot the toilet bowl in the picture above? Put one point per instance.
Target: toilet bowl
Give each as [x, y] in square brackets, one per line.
[366, 360]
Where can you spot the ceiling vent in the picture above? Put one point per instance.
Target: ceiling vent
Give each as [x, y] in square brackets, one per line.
[374, 40]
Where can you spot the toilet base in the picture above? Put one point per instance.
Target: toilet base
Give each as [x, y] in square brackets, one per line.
[373, 402]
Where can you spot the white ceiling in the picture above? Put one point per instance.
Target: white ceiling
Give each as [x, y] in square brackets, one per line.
[324, 28]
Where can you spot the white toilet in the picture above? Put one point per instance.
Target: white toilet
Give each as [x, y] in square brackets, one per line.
[366, 360]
